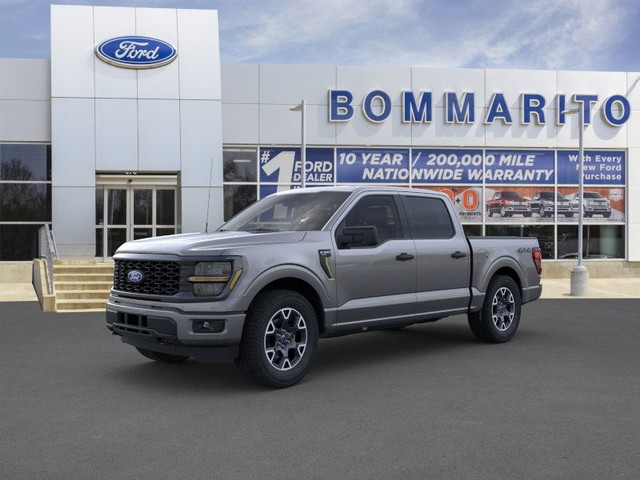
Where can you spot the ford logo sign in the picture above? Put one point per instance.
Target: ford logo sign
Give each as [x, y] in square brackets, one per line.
[136, 52]
[135, 276]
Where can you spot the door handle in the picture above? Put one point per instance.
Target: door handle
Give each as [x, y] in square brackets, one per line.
[458, 254]
[403, 257]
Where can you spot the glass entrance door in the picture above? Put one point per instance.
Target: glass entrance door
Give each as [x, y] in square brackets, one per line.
[132, 211]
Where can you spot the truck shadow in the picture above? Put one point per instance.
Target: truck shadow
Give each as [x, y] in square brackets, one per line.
[352, 353]
[380, 347]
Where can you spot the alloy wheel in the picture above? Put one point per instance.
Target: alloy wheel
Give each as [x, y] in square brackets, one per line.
[285, 339]
[503, 309]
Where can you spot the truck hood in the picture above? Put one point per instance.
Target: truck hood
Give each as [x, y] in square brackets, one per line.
[206, 243]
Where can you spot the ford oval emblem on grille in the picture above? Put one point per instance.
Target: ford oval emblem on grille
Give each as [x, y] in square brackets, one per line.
[135, 276]
[136, 52]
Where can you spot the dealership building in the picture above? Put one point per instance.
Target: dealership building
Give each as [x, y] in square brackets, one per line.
[134, 129]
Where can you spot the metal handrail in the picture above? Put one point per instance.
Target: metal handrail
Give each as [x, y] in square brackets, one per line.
[48, 250]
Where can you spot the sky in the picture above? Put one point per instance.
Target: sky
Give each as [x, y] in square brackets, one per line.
[516, 34]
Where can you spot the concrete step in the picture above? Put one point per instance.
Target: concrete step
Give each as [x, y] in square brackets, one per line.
[76, 305]
[83, 294]
[84, 269]
[83, 277]
[94, 285]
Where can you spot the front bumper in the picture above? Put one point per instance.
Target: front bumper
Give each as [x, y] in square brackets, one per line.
[169, 328]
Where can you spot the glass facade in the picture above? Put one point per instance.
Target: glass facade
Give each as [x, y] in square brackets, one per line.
[516, 192]
[25, 198]
[132, 211]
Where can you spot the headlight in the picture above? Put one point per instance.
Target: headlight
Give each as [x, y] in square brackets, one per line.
[210, 278]
[510, 202]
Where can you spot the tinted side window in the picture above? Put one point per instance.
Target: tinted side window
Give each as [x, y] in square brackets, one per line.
[428, 218]
[379, 211]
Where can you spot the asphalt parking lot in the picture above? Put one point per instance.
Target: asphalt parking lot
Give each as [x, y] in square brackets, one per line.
[562, 400]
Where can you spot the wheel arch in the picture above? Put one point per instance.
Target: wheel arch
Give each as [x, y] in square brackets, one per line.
[501, 266]
[303, 288]
[509, 272]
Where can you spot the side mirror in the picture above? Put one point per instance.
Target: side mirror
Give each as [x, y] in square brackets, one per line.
[364, 236]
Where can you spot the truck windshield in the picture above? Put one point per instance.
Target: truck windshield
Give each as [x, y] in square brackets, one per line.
[290, 211]
[511, 195]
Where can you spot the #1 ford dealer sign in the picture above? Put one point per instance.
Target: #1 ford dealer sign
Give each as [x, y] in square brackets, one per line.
[136, 52]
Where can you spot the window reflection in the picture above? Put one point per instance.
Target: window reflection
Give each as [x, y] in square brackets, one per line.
[18, 242]
[237, 198]
[599, 241]
[165, 207]
[117, 206]
[25, 202]
[142, 207]
[25, 163]
[239, 164]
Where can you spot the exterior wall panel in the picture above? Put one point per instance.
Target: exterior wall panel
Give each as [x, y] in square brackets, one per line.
[200, 146]
[199, 55]
[72, 58]
[25, 121]
[113, 82]
[242, 84]
[116, 134]
[159, 135]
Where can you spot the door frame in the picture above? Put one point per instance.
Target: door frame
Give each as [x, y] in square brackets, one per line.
[130, 183]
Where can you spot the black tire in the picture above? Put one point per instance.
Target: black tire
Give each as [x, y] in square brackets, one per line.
[542, 212]
[568, 215]
[489, 212]
[498, 323]
[162, 357]
[606, 215]
[267, 331]
[527, 214]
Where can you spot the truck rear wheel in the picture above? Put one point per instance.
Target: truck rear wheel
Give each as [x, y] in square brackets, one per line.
[499, 317]
[161, 357]
[279, 339]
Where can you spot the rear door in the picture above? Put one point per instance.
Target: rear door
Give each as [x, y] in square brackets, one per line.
[376, 283]
[443, 256]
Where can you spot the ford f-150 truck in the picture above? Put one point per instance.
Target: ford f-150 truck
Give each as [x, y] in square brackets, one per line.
[316, 262]
[508, 203]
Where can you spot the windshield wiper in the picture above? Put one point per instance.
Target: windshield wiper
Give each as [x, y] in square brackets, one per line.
[262, 230]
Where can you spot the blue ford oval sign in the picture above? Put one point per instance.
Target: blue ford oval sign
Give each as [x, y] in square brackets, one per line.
[136, 52]
[135, 276]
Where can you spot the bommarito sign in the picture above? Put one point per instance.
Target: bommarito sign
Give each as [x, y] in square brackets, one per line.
[459, 108]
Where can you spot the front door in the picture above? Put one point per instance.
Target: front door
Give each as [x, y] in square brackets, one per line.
[376, 283]
[133, 210]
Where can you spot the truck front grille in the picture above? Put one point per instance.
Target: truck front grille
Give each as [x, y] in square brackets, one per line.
[157, 277]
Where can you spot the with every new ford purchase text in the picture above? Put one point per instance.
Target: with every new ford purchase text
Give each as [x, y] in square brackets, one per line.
[311, 263]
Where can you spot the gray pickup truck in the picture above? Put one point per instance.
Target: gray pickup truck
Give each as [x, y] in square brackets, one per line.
[311, 263]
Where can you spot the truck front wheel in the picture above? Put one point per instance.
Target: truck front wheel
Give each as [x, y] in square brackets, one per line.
[499, 317]
[279, 339]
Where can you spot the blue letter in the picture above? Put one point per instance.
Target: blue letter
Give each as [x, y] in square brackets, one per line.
[340, 109]
[411, 112]
[454, 113]
[367, 106]
[498, 108]
[586, 101]
[608, 110]
[532, 105]
[561, 106]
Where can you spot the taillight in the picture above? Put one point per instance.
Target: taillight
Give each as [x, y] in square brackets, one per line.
[536, 254]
